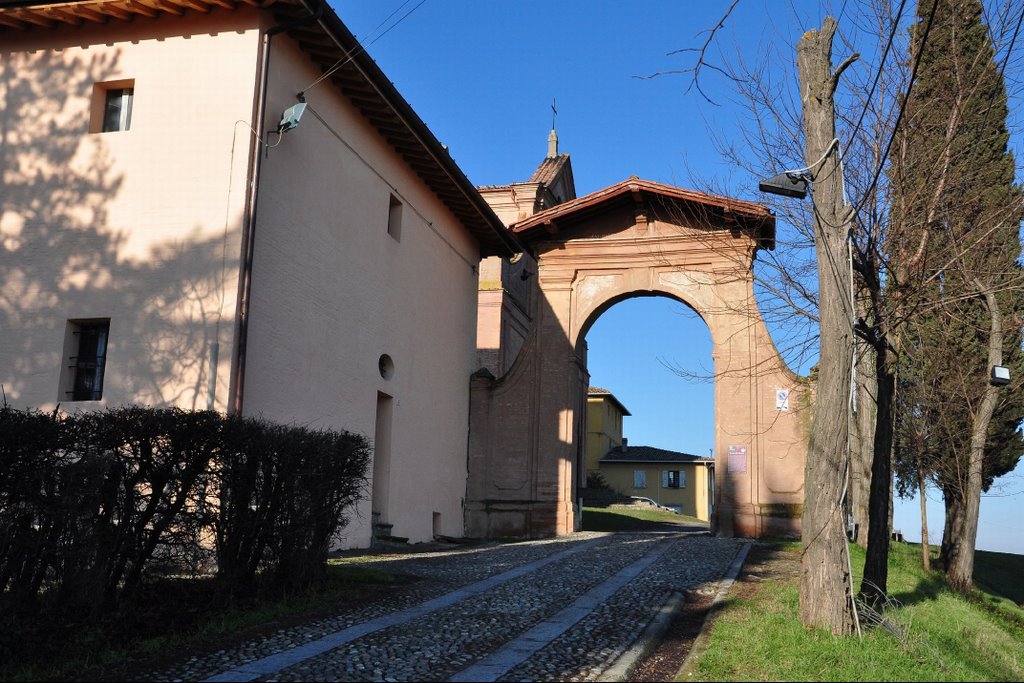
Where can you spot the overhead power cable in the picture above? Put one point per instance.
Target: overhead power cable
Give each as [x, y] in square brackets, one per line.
[363, 45]
[903, 106]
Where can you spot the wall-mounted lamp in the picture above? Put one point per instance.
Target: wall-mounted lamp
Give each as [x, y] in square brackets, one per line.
[787, 184]
[1000, 376]
[796, 182]
[292, 115]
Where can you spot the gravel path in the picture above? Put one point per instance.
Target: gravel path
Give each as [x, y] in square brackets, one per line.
[557, 609]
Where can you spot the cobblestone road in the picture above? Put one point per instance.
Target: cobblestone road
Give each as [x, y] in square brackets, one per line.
[555, 610]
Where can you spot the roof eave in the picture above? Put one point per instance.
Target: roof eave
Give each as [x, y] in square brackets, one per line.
[423, 153]
[504, 243]
[662, 462]
[759, 219]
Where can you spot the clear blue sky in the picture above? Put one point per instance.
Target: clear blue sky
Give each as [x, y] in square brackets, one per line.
[483, 75]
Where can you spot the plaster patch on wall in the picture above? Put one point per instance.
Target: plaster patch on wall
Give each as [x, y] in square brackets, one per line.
[694, 287]
[592, 289]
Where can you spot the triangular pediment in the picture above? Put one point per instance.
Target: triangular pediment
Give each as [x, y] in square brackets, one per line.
[620, 206]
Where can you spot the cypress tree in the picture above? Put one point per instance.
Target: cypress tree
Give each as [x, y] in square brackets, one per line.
[955, 246]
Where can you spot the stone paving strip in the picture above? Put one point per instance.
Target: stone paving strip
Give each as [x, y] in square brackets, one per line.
[522, 648]
[274, 663]
[444, 571]
[438, 645]
[591, 646]
[559, 609]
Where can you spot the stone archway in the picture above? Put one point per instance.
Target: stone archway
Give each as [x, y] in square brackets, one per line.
[638, 238]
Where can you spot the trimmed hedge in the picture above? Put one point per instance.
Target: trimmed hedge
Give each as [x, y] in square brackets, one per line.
[93, 504]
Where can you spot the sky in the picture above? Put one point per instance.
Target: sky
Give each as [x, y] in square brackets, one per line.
[483, 76]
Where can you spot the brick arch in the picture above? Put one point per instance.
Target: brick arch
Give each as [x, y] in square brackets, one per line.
[637, 239]
[590, 315]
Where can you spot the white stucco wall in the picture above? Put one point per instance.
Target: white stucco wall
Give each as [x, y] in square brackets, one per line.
[332, 291]
[138, 226]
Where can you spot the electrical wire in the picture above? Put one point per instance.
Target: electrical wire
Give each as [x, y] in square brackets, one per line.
[426, 221]
[828, 150]
[878, 73]
[363, 46]
[903, 106]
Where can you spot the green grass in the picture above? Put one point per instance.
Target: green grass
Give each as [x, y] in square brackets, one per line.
[178, 616]
[632, 519]
[1000, 573]
[950, 637]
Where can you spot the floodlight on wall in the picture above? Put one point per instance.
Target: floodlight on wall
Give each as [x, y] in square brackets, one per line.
[1000, 376]
[291, 116]
[786, 184]
[795, 183]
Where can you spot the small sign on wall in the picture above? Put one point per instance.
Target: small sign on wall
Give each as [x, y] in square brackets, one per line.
[782, 400]
[737, 459]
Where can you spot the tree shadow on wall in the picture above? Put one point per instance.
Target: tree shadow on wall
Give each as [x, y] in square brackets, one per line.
[62, 259]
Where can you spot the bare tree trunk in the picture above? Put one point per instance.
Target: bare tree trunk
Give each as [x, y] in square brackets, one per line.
[960, 573]
[926, 555]
[952, 528]
[876, 563]
[863, 450]
[825, 583]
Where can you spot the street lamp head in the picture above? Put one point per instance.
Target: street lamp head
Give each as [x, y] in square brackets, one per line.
[786, 184]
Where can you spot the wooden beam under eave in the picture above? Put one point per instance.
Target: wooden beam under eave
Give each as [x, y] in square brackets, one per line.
[370, 107]
[305, 33]
[116, 12]
[319, 51]
[91, 15]
[62, 16]
[226, 4]
[12, 23]
[32, 18]
[139, 8]
[357, 89]
[194, 4]
[162, 7]
[639, 206]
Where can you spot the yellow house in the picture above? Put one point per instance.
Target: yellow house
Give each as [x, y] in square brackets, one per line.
[604, 425]
[677, 480]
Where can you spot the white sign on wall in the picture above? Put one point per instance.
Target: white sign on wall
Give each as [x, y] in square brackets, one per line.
[782, 400]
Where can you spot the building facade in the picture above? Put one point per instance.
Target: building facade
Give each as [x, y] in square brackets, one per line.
[676, 480]
[604, 426]
[170, 239]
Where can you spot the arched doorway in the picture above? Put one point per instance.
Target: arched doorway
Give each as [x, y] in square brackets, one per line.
[638, 237]
[650, 423]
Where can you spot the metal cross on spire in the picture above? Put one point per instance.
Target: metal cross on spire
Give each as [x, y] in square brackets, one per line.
[554, 113]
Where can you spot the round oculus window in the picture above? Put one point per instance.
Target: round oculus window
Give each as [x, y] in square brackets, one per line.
[386, 366]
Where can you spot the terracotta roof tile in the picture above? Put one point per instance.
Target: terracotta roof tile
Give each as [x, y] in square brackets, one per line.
[758, 214]
[598, 392]
[651, 454]
[549, 169]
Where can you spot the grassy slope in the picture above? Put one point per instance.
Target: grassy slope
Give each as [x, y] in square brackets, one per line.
[1001, 573]
[632, 519]
[950, 638]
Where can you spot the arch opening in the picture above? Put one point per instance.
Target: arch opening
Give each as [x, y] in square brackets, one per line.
[650, 405]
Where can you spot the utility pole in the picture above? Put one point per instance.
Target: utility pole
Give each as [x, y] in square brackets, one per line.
[826, 589]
